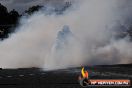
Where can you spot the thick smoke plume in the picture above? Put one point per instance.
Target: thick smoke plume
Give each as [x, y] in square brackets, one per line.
[82, 35]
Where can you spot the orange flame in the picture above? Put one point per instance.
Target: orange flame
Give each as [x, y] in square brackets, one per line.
[84, 73]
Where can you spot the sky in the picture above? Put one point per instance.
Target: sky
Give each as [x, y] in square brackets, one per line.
[22, 5]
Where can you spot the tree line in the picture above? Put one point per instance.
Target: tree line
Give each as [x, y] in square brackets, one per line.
[10, 19]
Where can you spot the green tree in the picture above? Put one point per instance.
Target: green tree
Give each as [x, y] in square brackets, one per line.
[14, 15]
[33, 9]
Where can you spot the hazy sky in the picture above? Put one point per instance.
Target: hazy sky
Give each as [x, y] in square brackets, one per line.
[22, 5]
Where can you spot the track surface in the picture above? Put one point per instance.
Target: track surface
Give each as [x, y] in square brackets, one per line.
[66, 78]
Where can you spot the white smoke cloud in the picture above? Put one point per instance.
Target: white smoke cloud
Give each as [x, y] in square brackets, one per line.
[31, 45]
